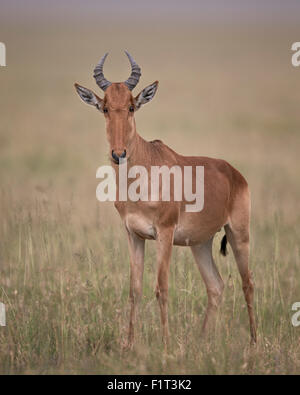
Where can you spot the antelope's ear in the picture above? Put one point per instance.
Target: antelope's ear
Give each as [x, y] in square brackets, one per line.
[89, 97]
[146, 95]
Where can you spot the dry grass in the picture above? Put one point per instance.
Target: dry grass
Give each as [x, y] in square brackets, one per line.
[225, 91]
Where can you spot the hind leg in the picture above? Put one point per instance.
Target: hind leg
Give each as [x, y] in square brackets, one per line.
[212, 279]
[237, 232]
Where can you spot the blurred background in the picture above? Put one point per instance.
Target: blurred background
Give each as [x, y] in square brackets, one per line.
[227, 90]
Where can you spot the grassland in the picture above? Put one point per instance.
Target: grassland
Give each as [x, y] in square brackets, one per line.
[226, 90]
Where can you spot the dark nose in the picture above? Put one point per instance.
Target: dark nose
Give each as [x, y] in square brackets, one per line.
[116, 156]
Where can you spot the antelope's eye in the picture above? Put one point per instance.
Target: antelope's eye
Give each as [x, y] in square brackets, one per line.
[131, 109]
[105, 110]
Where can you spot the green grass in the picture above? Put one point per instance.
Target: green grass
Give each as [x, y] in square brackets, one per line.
[66, 291]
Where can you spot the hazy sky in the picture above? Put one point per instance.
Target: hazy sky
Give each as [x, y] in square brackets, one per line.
[194, 9]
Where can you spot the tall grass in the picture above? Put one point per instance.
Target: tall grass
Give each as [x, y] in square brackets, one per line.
[66, 292]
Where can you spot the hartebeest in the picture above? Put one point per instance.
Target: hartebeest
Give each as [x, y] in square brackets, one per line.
[226, 203]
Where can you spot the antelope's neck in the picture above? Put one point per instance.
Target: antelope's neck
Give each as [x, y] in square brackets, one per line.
[140, 153]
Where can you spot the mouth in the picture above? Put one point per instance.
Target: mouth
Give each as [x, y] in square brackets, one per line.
[118, 161]
[115, 161]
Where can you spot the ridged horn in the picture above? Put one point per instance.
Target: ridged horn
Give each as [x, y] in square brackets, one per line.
[135, 73]
[98, 74]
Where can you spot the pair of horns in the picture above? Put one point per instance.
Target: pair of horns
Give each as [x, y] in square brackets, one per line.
[132, 81]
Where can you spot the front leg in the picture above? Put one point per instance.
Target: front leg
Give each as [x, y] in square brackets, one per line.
[136, 250]
[164, 251]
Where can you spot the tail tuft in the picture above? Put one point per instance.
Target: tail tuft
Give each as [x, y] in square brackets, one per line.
[223, 249]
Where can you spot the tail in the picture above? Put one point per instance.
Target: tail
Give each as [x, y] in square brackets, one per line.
[223, 249]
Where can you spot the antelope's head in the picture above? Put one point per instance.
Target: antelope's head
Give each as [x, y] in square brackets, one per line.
[118, 107]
